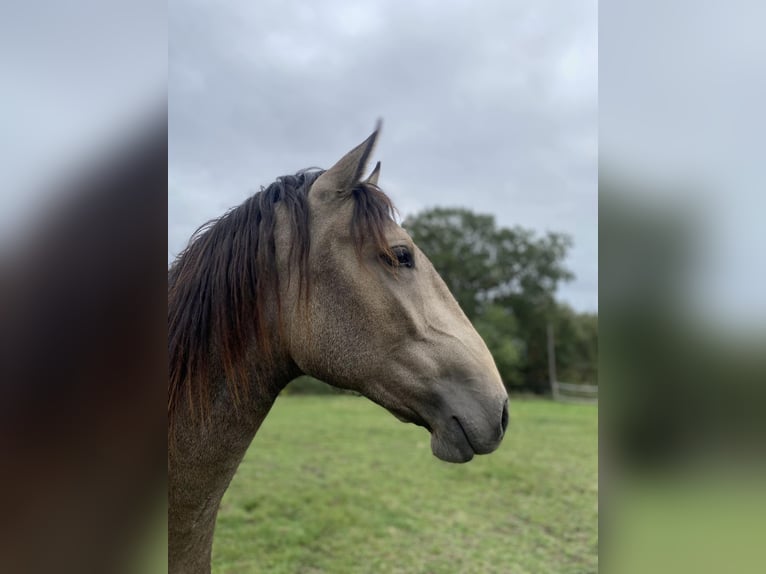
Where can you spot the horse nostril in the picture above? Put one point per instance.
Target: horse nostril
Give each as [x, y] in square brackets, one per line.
[504, 419]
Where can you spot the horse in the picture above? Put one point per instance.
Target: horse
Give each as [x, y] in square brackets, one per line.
[311, 275]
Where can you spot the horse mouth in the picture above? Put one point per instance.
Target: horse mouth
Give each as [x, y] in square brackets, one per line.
[457, 438]
[458, 441]
[450, 444]
[465, 434]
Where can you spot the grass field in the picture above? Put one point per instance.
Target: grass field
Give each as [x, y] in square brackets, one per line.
[335, 484]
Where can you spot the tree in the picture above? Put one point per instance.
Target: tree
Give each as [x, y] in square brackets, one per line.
[576, 336]
[482, 263]
[500, 331]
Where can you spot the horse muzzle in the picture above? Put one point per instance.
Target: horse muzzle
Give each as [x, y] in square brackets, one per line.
[459, 437]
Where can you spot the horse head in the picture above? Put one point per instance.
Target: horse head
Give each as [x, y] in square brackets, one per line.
[378, 319]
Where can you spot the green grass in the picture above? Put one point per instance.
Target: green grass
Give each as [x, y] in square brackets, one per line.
[336, 484]
[700, 520]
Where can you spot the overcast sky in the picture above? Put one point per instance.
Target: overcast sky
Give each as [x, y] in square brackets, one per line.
[681, 104]
[486, 105]
[77, 80]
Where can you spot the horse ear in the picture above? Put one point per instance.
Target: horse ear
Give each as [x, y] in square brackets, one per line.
[348, 171]
[373, 177]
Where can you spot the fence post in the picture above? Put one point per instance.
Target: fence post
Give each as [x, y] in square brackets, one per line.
[552, 362]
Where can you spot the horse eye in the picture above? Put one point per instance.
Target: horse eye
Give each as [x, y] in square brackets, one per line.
[403, 257]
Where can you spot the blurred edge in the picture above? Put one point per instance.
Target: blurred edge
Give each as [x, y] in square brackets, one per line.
[683, 435]
[82, 368]
[682, 331]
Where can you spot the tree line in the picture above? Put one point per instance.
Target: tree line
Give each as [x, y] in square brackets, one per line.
[505, 280]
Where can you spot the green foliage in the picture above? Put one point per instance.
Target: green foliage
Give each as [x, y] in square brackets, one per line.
[500, 332]
[576, 336]
[351, 489]
[482, 263]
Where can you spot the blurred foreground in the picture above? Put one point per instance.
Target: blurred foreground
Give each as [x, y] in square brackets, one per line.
[682, 298]
[683, 428]
[83, 158]
[82, 327]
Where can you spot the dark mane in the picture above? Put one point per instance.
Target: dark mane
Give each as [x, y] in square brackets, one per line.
[218, 285]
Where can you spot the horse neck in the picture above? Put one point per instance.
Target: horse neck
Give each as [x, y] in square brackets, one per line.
[203, 458]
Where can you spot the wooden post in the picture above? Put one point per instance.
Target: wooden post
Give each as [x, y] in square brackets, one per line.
[552, 362]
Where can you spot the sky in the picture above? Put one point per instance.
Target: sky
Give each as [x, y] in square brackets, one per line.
[77, 78]
[491, 106]
[681, 97]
